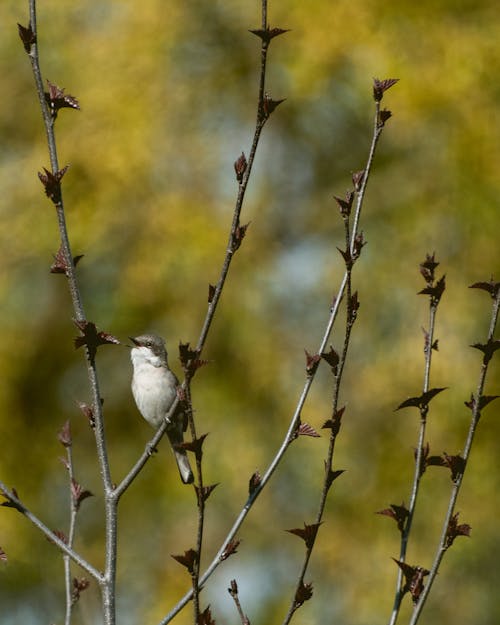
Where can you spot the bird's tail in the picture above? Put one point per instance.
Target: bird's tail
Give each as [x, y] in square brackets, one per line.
[176, 439]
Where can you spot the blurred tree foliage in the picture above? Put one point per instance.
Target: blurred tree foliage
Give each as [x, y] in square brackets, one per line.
[168, 92]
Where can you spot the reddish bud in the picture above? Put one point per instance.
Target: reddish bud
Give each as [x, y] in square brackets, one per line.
[488, 348]
[422, 401]
[57, 99]
[345, 205]
[335, 421]
[490, 287]
[332, 476]
[428, 267]
[211, 293]
[383, 116]
[238, 236]
[303, 594]
[358, 244]
[233, 588]
[10, 502]
[205, 492]
[455, 529]
[196, 446]
[240, 167]
[357, 179]
[381, 86]
[78, 493]
[414, 576]
[305, 429]
[269, 105]
[64, 435]
[398, 513]
[61, 535]
[27, 36]
[87, 412]
[52, 183]
[205, 617]
[268, 33]
[91, 338]
[254, 482]
[332, 358]
[188, 559]
[346, 255]
[79, 585]
[456, 464]
[230, 549]
[312, 362]
[435, 291]
[59, 265]
[308, 533]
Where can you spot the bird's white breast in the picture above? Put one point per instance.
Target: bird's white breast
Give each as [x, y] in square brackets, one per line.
[153, 385]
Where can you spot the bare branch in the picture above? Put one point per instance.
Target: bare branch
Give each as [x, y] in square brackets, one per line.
[14, 502]
[450, 527]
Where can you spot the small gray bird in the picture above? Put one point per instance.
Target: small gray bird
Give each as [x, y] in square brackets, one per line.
[154, 387]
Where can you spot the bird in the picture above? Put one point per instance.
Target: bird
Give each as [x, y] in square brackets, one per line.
[154, 387]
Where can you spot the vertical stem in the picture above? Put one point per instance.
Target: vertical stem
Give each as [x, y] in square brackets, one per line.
[405, 535]
[476, 414]
[108, 588]
[350, 238]
[107, 585]
[195, 577]
[71, 536]
[259, 125]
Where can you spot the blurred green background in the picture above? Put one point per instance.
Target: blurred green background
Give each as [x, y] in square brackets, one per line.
[168, 96]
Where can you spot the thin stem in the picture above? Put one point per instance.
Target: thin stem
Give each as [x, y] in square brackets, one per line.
[377, 131]
[476, 414]
[71, 536]
[195, 577]
[261, 120]
[295, 419]
[233, 591]
[107, 584]
[146, 454]
[54, 163]
[108, 588]
[417, 475]
[350, 318]
[49, 534]
[66, 248]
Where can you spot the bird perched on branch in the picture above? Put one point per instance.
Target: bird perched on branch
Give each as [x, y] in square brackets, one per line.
[154, 387]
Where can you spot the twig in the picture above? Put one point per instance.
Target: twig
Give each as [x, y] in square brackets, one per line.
[233, 244]
[236, 234]
[427, 269]
[233, 591]
[353, 248]
[476, 405]
[67, 442]
[201, 498]
[108, 582]
[295, 419]
[15, 502]
[146, 454]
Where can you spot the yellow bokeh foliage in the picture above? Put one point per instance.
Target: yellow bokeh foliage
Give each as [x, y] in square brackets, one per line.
[168, 95]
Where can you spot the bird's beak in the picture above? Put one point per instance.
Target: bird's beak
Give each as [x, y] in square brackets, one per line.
[134, 341]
